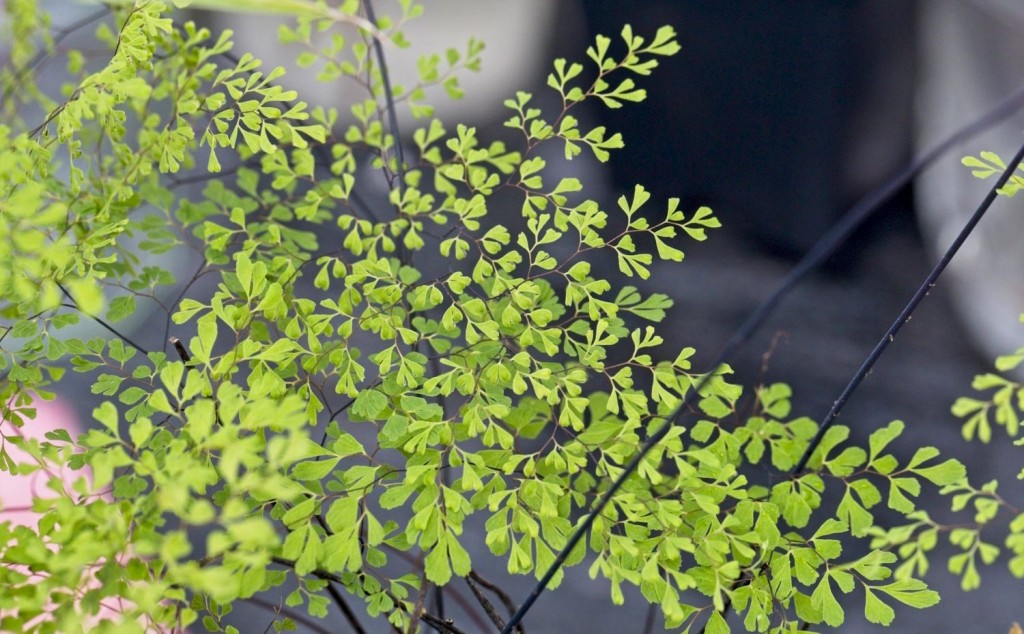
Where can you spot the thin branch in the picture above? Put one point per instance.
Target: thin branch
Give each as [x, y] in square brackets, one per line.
[457, 597]
[186, 358]
[56, 112]
[291, 614]
[345, 608]
[652, 611]
[486, 604]
[446, 626]
[497, 590]
[389, 100]
[907, 311]
[99, 321]
[202, 177]
[323, 574]
[439, 601]
[329, 577]
[1003, 109]
[323, 157]
[58, 38]
[181, 295]
[418, 609]
[825, 246]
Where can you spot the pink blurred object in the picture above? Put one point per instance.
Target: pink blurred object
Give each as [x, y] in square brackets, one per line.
[17, 491]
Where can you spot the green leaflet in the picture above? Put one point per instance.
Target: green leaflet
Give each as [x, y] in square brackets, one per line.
[359, 380]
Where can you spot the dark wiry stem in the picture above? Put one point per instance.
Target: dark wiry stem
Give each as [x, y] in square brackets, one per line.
[291, 614]
[345, 608]
[99, 321]
[58, 38]
[445, 626]
[908, 311]
[825, 246]
[389, 99]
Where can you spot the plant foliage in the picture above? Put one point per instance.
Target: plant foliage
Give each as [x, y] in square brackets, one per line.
[362, 378]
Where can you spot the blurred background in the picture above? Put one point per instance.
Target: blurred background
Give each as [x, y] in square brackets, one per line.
[780, 116]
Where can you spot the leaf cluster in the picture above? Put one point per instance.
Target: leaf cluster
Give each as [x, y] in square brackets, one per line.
[366, 377]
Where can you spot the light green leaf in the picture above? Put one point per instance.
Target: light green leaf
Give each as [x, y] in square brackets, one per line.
[369, 404]
[875, 610]
[314, 469]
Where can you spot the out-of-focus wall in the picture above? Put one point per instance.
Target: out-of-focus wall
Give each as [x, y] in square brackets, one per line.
[971, 53]
[517, 35]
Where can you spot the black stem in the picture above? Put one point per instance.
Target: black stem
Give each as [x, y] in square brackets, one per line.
[99, 321]
[652, 611]
[445, 626]
[485, 603]
[389, 101]
[1002, 110]
[345, 608]
[439, 600]
[181, 295]
[183, 354]
[58, 38]
[292, 614]
[498, 591]
[907, 311]
[825, 246]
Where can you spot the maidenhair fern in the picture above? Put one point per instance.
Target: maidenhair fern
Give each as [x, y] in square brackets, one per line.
[361, 375]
